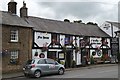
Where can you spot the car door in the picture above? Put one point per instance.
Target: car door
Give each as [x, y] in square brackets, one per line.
[51, 64]
[42, 65]
[57, 66]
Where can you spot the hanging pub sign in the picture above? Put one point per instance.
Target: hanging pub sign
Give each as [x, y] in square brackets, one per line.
[115, 45]
[42, 39]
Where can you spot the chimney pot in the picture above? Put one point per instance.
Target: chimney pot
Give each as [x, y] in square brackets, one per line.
[12, 7]
[23, 10]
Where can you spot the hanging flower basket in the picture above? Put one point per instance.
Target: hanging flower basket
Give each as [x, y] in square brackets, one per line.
[44, 49]
[14, 61]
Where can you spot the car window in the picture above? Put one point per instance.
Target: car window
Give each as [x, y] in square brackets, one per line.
[42, 61]
[56, 63]
[50, 61]
[30, 62]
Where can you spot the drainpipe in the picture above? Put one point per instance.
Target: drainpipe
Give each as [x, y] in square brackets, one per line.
[112, 29]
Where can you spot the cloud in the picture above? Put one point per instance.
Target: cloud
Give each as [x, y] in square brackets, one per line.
[87, 10]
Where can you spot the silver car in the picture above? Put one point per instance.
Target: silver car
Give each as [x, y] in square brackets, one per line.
[40, 66]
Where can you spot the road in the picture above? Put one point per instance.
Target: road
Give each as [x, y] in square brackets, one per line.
[98, 72]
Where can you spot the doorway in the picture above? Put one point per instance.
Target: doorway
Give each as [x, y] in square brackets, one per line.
[69, 58]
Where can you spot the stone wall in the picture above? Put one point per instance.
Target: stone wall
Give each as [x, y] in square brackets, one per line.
[24, 45]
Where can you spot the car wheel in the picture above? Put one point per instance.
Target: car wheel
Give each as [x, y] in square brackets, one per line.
[61, 71]
[37, 74]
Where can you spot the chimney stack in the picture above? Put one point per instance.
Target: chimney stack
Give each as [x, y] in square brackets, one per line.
[12, 7]
[23, 10]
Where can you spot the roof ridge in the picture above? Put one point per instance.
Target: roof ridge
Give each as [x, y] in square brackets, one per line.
[113, 22]
[57, 20]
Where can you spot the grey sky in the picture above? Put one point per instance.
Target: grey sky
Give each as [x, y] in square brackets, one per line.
[85, 10]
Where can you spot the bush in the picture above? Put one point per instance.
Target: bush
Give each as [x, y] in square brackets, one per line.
[73, 64]
[91, 60]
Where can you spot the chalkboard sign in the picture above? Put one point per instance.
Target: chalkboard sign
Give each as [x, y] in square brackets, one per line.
[114, 40]
[115, 45]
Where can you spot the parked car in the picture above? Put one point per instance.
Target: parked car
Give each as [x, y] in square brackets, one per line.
[41, 66]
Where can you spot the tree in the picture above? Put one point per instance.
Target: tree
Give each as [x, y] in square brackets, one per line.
[92, 23]
[79, 21]
[66, 20]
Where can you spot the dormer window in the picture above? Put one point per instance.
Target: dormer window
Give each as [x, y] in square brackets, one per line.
[14, 35]
[68, 40]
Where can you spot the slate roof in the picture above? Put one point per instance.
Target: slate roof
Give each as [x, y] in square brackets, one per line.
[115, 24]
[12, 19]
[47, 25]
[41, 24]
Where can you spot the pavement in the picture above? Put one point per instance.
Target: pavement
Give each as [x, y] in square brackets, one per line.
[20, 74]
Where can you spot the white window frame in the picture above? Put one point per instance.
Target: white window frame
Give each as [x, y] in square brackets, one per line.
[14, 54]
[14, 35]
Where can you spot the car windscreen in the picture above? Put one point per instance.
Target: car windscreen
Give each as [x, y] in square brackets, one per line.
[30, 62]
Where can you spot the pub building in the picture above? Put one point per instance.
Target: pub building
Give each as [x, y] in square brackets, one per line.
[68, 42]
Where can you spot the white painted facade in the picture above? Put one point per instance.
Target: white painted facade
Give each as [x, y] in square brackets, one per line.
[109, 28]
[62, 40]
[39, 52]
[96, 43]
[44, 39]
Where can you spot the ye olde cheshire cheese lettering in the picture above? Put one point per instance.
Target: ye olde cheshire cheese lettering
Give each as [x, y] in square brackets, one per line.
[39, 37]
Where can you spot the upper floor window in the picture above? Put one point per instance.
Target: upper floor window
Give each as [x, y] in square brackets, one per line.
[68, 39]
[14, 35]
[55, 38]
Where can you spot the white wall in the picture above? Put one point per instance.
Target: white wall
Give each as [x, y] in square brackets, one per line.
[39, 52]
[109, 29]
[77, 41]
[108, 40]
[62, 39]
[77, 57]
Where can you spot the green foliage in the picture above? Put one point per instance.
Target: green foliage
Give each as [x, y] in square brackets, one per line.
[92, 23]
[79, 21]
[66, 20]
[73, 64]
[62, 62]
[91, 60]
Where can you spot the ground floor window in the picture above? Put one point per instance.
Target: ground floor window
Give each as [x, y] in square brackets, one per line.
[14, 56]
[51, 55]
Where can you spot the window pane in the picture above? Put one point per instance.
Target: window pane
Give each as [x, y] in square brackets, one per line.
[41, 61]
[14, 35]
[14, 54]
[50, 61]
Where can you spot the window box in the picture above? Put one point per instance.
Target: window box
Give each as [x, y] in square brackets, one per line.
[13, 61]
